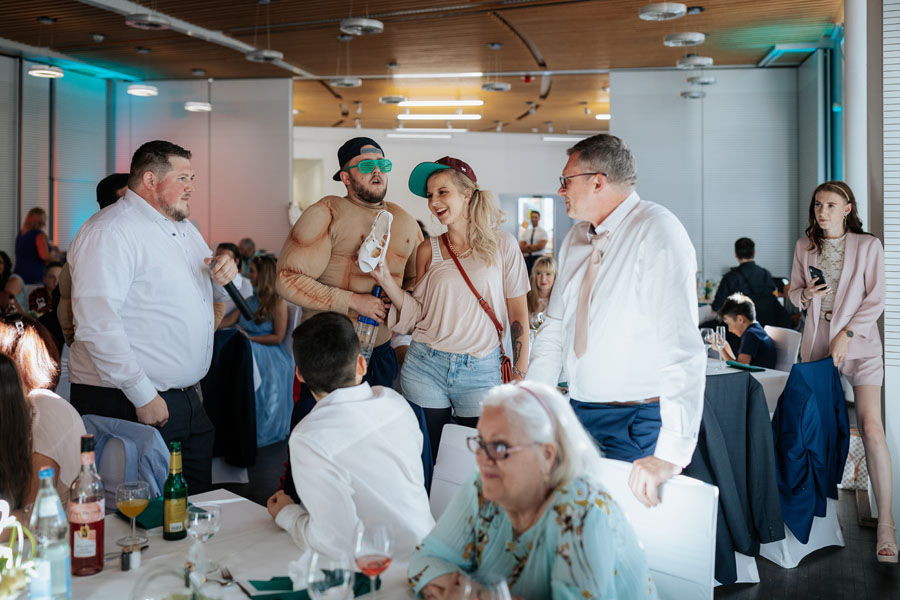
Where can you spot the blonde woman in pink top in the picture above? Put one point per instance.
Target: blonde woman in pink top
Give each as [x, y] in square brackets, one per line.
[454, 357]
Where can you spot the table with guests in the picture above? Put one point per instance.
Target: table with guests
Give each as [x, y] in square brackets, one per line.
[492, 335]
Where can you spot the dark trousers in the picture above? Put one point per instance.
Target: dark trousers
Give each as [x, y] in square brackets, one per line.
[383, 369]
[624, 432]
[187, 424]
[529, 261]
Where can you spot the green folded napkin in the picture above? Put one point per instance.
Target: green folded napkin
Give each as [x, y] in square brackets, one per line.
[280, 588]
[152, 515]
[742, 366]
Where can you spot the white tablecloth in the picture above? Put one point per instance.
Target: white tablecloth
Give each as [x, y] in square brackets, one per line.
[772, 381]
[249, 543]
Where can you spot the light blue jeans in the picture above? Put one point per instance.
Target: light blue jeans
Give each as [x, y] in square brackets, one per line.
[435, 379]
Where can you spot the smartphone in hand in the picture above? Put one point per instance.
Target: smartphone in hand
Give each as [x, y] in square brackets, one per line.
[817, 275]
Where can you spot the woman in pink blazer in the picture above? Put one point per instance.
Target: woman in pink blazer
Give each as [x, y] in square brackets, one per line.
[841, 322]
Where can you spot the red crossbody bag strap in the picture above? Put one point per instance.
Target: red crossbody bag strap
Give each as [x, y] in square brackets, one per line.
[481, 300]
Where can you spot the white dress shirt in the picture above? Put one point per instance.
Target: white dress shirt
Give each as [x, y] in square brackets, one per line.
[643, 340]
[356, 458]
[142, 301]
[533, 235]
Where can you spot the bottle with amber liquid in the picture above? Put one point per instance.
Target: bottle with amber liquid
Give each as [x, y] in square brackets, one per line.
[175, 493]
[86, 510]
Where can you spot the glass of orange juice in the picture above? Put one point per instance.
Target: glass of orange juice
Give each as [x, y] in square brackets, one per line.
[132, 498]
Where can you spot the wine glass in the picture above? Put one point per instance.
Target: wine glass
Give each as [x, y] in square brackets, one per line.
[203, 523]
[708, 335]
[721, 340]
[374, 548]
[494, 589]
[132, 498]
[330, 578]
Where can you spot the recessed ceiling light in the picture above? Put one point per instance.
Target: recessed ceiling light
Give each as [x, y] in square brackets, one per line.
[438, 117]
[701, 79]
[440, 103]
[142, 89]
[198, 72]
[361, 26]
[432, 129]
[695, 10]
[602, 116]
[466, 75]
[345, 82]
[45, 71]
[693, 94]
[495, 86]
[421, 136]
[197, 106]
[692, 61]
[684, 39]
[662, 11]
[147, 21]
[264, 56]
[296, 111]
[98, 37]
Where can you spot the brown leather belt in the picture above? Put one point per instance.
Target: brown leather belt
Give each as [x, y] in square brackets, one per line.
[636, 402]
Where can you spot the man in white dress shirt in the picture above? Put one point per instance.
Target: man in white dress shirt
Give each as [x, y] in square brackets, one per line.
[622, 319]
[145, 308]
[533, 241]
[356, 457]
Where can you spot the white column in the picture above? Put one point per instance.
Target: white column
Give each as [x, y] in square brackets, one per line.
[856, 165]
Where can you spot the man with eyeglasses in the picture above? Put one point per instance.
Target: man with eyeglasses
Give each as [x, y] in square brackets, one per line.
[318, 268]
[622, 319]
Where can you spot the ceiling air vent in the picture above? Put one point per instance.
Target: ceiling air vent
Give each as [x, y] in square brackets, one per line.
[264, 56]
[662, 11]
[392, 99]
[361, 26]
[692, 61]
[681, 40]
[345, 82]
[147, 21]
[693, 94]
[495, 86]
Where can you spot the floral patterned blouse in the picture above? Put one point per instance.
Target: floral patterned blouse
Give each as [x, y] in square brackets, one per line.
[582, 546]
[831, 261]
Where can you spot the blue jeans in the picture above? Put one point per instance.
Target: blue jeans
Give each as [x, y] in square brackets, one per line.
[626, 432]
[435, 379]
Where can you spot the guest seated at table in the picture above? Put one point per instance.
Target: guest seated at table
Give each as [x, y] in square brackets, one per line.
[543, 276]
[267, 330]
[756, 347]
[13, 298]
[243, 285]
[534, 513]
[350, 469]
[56, 427]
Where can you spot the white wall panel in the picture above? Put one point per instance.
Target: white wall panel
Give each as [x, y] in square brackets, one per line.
[9, 152]
[35, 141]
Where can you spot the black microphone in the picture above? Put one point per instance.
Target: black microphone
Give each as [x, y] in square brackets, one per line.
[236, 296]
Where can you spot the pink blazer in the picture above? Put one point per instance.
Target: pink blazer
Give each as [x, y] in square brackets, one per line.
[858, 300]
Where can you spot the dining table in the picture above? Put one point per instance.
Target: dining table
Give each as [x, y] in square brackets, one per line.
[249, 544]
[771, 380]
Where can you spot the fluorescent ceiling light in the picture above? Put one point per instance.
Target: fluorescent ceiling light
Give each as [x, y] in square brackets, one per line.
[556, 138]
[45, 71]
[432, 129]
[438, 117]
[602, 116]
[467, 75]
[437, 103]
[141, 89]
[426, 136]
[197, 106]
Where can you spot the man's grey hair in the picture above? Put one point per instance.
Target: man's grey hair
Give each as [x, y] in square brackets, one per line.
[608, 154]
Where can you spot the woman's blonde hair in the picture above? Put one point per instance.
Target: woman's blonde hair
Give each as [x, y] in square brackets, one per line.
[545, 263]
[35, 219]
[545, 417]
[484, 217]
[32, 348]
[265, 288]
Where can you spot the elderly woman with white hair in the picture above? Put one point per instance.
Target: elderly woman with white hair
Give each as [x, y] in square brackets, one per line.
[534, 513]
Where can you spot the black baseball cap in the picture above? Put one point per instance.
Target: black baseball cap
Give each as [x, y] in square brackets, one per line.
[351, 149]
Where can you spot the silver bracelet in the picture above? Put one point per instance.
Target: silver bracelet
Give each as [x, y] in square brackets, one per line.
[516, 371]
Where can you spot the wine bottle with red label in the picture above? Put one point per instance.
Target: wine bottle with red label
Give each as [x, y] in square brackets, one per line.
[87, 509]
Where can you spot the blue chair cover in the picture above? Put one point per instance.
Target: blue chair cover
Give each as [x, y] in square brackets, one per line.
[146, 455]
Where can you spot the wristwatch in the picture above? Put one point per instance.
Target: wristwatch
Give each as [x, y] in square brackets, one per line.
[849, 333]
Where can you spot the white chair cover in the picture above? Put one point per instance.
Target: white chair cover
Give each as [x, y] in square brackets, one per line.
[787, 345]
[453, 467]
[293, 319]
[826, 531]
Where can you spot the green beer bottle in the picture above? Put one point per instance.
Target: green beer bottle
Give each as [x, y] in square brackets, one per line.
[175, 493]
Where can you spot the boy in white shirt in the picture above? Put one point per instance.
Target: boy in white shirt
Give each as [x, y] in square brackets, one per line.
[356, 458]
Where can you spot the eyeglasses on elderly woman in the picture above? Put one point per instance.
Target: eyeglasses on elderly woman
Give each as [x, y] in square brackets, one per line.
[494, 450]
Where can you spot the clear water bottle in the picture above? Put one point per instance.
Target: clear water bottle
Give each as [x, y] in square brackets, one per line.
[52, 577]
[367, 330]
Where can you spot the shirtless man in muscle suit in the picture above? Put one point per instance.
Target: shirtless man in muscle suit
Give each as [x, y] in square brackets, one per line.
[318, 269]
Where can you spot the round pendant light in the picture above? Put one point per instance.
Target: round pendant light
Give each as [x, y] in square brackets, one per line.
[142, 89]
[45, 71]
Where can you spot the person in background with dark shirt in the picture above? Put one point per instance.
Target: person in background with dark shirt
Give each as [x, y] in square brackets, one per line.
[754, 281]
[756, 347]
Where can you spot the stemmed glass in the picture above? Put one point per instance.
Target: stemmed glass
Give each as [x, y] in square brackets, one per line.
[132, 498]
[374, 549]
[494, 589]
[203, 523]
[721, 341]
[708, 335]
[330, 578]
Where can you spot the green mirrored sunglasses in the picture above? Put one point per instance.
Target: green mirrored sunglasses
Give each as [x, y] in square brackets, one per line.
[367, 166]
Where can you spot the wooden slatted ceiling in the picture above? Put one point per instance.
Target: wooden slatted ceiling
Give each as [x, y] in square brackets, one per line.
[428, 36]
